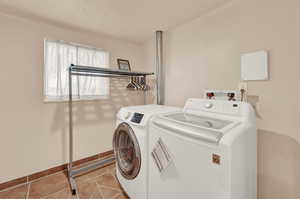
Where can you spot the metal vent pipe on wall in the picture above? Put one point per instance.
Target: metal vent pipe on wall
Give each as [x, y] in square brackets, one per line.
[159, 62]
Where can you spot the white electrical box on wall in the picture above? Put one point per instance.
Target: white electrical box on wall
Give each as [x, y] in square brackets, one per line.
[254, 66]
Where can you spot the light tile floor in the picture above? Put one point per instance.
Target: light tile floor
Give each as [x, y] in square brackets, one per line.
[97, 184]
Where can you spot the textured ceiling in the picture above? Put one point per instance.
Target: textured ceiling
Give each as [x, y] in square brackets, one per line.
[133, 20]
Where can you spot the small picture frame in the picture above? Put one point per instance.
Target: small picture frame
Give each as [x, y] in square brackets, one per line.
[124, 64]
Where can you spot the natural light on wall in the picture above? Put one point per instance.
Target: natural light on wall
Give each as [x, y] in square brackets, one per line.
[59, 56]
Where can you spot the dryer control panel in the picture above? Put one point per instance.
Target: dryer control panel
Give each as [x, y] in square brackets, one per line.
[137, 118]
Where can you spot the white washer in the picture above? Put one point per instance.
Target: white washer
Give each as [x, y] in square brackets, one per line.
[130, 147]
[212, 145]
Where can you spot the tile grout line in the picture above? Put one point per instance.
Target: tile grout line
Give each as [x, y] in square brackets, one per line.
[112, 188]
[28, 190]
[114, 174]
[93, 178]
[38, 179]
[52, 193]
[116, 196]
[106, 171]
[101, 155]
[13, 187]
[77, 194]
[98, 186]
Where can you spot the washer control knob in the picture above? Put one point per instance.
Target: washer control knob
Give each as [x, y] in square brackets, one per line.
[126, 115]
[208, 105]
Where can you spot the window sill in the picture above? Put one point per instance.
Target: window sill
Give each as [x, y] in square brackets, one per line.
[57, 100]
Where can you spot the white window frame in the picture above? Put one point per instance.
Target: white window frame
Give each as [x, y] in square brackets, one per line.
[76, 97]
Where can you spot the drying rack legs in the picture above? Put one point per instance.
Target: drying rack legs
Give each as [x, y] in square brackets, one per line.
[72, 172]
[75, 172]
[73, 185]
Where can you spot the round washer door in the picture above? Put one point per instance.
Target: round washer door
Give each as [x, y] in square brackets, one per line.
[127, 151]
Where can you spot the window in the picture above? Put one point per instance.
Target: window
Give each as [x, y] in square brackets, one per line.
[58, 58]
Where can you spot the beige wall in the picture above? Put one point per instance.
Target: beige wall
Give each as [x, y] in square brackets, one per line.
[34, 134]
[202, 54]
[205, 54]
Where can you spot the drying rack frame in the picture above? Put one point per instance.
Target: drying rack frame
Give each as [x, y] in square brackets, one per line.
[78, 70]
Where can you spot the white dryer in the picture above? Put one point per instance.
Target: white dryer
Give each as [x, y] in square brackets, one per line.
[130, 147]
[212, 152]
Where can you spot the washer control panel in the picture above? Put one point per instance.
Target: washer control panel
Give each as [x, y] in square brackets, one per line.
[216, 106]
[137, 118]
